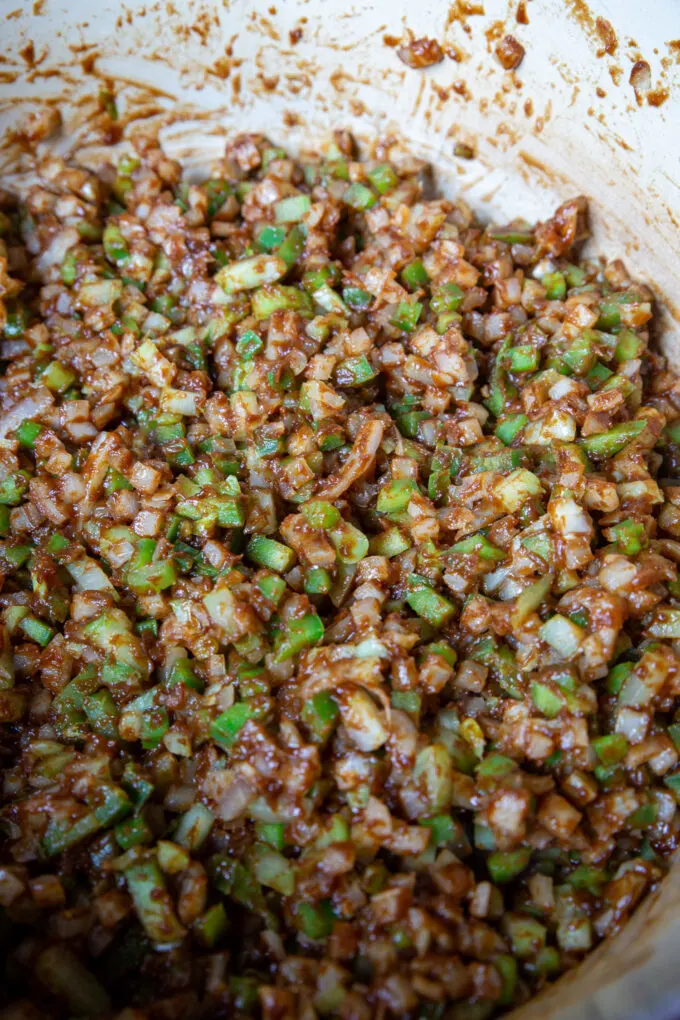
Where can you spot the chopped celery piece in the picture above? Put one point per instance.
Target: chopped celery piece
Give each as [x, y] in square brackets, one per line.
[272, 587]
[318, 581]
[562, 635]
[115, 245]
[480, 545]
[389, 543]
[527, 936]
[62, 834]
[273, 870]
[350, 544]
[64, 975]
[665, 623]
[407, 701]
[506, 966]
[272, 833]
[293, 246]
[359, 197]
[630, 536]
[320, 714]
[511, 235]
[292, 208]
[110, 803]
[102, 714]
[495, 766]
[518, 487]
[194, 826]
[250, 273]
[152, 902]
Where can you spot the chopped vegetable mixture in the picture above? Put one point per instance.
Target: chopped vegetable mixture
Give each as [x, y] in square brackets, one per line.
[339, 662]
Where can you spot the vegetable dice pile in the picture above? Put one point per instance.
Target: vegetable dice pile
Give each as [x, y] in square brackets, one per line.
[339, 602]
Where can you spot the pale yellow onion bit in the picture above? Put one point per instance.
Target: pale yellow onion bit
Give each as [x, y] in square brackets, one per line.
[94, 472]
[359, 462]
[318, 672]
[35, 403]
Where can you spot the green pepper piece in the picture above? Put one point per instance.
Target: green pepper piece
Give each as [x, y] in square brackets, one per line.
[27, 433]
[415, 275]
[524, 358]
[395, 495]
[102, 714]
[555, 286]
[300, 633]
[443, 828]
[316, 919]
[267, 552]
[630, 536]
[429, 604]
[546, 701]
[446, 297]
[405, 316]
[509, 428]
[383, 178]
[611, 748]
[269, 238]
[226, 727]
[504, 865]
[355, 371]
[603, 445]
[357, 298]
[212, 925]
[110, 804]
[320, 715]
[272, 833]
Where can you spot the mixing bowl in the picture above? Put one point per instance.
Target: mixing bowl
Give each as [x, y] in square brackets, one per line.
[593, 108]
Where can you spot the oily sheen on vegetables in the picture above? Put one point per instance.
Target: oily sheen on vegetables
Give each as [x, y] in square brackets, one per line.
[339, 606]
